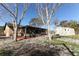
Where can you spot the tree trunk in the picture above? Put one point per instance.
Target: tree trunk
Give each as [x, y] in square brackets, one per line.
[49, 34]
[48, 23]
[15, 32]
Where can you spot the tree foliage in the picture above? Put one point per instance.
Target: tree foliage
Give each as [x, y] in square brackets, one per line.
[37, 22]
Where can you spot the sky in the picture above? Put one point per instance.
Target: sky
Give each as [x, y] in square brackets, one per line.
[68, 12]
[65, 12]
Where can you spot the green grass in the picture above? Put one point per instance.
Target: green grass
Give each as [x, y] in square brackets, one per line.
[67, 43]
[74, 47]
[74, 36]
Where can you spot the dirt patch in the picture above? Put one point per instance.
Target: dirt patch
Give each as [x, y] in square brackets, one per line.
[32, 47]
[41, 50]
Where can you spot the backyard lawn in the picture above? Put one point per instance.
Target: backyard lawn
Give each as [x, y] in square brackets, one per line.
[26, 47]
[72, 46]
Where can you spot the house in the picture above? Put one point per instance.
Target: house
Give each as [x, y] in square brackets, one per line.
[35, 31]
[8, 29]
[64, 31]
[24, 30]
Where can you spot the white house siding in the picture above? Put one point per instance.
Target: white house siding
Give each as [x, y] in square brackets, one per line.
[8, 31]
[64, 31]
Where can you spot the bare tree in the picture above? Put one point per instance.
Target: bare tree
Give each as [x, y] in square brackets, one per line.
[14, 13]
[45, 12]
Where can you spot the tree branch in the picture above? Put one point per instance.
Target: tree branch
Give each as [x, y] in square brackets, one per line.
[23, 14]
[8, 10]
[16, 12]
[40, 13]
[52, 12]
